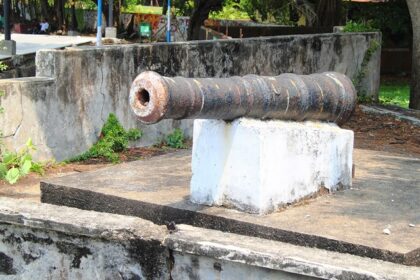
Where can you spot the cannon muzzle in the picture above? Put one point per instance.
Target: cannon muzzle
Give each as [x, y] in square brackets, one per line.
[328, 97]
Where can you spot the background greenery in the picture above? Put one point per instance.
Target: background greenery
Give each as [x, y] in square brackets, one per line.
[395, 93]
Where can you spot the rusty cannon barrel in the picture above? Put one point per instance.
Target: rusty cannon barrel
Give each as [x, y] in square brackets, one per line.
[328, 97]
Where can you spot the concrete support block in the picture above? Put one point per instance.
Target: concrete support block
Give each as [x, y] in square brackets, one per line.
[258, 166]
[7, 47]
[110, 32]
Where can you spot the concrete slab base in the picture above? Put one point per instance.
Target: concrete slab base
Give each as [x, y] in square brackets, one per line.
[385, 194]
[259, 166]
[7, 47]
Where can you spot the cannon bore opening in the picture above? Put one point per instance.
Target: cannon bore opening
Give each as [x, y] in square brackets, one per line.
[142, 98]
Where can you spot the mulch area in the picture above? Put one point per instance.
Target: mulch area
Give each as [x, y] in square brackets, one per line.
[384, 133]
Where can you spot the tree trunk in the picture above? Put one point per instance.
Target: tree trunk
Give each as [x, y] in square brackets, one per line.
[164, 7]
[414, 8]
[44, 9]
[202, 9]
[73, 22]
[59, 13]
[328, 13]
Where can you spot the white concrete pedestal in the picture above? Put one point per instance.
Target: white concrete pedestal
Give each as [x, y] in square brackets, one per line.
[110, 32]
[258, 166]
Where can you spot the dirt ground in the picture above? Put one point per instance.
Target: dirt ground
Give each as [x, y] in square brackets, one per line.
[384, 133]
[372, 132]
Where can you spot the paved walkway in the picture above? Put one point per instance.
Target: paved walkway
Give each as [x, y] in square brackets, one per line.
[30, 43]
[384, 196]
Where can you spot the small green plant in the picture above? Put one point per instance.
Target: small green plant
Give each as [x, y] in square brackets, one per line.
[113, 139]
[353, 26]
[176, 139]
[3, 66]
[15, 165]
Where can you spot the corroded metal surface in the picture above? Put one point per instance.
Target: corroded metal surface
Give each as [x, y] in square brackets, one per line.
[328, 96]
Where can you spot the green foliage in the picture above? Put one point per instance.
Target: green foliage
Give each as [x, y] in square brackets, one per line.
[352, 26]
[134, 134]
[3, 66]
[15, 165]
[85, 5]
[183, 7]
[142, 9]
[113, 139]
[276, 11]
[231, 10]
[395, 93]
[392, 18]
[176, 139]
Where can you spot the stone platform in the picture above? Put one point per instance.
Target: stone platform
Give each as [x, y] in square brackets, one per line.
[385, 194]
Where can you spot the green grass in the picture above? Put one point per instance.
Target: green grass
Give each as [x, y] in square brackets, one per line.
[395, 93]
[143, 9]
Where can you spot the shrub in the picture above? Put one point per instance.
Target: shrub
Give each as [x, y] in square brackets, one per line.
[3, 66]
[113, 139]
[353, 26]
[176, 139]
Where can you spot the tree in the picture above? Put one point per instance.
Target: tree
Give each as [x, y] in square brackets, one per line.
[183, 7]
[202, 9]
[59, 12]
[268, 10]
[414, 8]
[328, 13]
[45, 9]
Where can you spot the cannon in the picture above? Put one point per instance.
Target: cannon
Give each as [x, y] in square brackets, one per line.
[328, 96]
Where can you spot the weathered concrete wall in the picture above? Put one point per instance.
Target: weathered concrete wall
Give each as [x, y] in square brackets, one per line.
[65, 243]
[54, 242]
[88, 83]
[19, 66]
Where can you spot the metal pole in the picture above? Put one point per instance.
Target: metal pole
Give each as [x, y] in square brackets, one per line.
[6, 13]
[99, 25]
[168, 27]
[111, 13]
